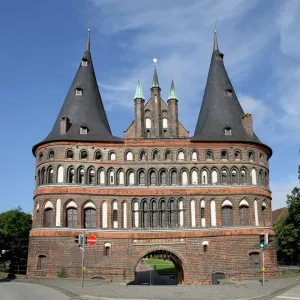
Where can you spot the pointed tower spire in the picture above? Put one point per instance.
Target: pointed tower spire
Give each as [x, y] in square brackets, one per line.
[155, 82]
[172, 94]
[221, 116]
[88, 43]
[82, 109]
[139, 91]
[216, 47]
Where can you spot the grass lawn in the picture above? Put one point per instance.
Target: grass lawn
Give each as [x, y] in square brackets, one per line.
[162, 266]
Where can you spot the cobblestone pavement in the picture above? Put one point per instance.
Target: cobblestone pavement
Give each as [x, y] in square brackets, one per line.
[100, 289]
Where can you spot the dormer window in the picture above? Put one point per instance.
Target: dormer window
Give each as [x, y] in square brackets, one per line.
[228, 92]
[227, 130]
[221, 55]
[83, 129]
[84, 63]
[79, 91]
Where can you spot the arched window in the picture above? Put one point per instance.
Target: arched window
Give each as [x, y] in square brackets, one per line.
[155, 155]
[41, 155]
[71, 175]
[98, 155]
[165, 123]
[204, 177]
[266, 179]
[194, 177]
[152, 178]
[124, 214]
[91, 176]
[244, 214]
[142, 178]
[129, 155]
[227, 215]
[243, 177]
[51, 154]
[180, 212]
[260, 177]
[174, 177]
[202, 213]
[180, 155]
[224, 177]
[261, 157]
[194, 156]
[163, 178]
[48, 217]
[112, 156]
[83, 154]
[60, 174]
[111, 177]
[50, 175]
[89, 218]
[163, 218]
[81, 178]
[148, 123]
[253, 177]
[115, 214]
[251, 156]
[209, 155]
[38, 178]
[214, 177]
[154, 214]
[70, 154]
[101, 177]
[172, 214]
[254, 262]
[43, 176]
[237, 155]
[168, 155]
[256, 213]
[193, 213]
[234, 177]
[224, 155]
[104, 215]
[143, 155]
[72, 217]
[184, 178]
[121, 177]
[213, 215]
[145, 215]
[131, 178]
[136, 214]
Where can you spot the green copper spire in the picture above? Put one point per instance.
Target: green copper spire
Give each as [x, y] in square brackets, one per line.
[155, 82]
[172, 94]
[139, 91]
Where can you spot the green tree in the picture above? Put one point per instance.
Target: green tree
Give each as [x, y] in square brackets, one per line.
[14, 237]
[288, 229]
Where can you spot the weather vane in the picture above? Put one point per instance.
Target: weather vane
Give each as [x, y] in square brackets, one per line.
[216, 25]
[155, 61]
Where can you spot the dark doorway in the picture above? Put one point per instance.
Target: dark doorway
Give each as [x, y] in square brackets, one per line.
[159, 267]
[216, 277]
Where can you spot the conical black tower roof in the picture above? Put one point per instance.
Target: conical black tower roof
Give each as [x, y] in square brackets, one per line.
[84, 110]
[220, 107]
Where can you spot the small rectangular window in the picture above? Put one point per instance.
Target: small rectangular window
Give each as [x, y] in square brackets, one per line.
[202, 213]
[84, 63]
[78, 92]
[83, 130]
[111, 179]
[227, 131]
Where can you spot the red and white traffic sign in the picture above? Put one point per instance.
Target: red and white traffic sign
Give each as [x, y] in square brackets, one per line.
[91, 240]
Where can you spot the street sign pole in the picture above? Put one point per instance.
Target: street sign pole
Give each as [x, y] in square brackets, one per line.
[263, 267]
[82, 259]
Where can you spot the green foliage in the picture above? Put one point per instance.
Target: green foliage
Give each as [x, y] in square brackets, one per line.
[14, 237]
[62, 273]
[288, 227]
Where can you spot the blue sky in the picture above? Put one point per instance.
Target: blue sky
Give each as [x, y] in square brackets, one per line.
[42, 43]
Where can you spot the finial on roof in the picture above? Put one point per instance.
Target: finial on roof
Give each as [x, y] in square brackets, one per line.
[216, 47]
[172, 94]
[88, 44]
[139, 91]
[155, 82]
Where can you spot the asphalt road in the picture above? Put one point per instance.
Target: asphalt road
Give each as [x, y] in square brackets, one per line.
[292, 294]
[28, 291]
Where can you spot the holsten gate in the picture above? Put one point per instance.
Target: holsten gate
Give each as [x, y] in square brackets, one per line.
[201, 201]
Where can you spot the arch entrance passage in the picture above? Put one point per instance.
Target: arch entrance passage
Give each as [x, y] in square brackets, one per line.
[159, 267]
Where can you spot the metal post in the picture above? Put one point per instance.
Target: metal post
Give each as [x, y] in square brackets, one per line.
[82, 260]
[263, 267]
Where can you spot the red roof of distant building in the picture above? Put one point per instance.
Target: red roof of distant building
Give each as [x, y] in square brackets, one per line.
[277, 213]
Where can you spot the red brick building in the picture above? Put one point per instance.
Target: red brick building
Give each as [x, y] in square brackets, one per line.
[201, 201]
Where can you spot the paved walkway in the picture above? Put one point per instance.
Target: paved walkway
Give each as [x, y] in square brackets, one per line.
[100, 289]
[291, 294]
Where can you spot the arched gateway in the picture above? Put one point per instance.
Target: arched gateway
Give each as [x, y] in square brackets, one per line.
[159, 267]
